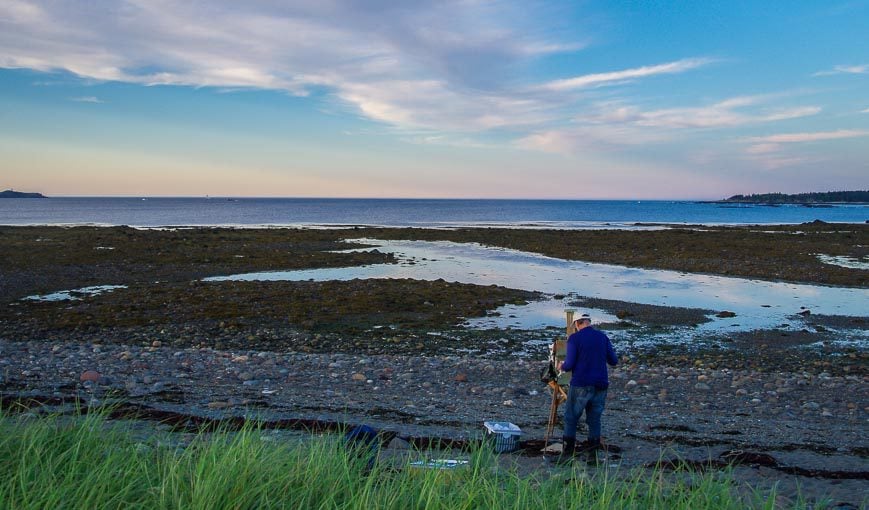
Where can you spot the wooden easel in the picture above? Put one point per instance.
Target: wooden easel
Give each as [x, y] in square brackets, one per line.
[556, 355]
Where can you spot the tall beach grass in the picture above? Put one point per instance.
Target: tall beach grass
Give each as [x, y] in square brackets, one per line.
[61, 462]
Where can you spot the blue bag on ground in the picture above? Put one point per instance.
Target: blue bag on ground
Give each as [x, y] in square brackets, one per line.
[364, 442]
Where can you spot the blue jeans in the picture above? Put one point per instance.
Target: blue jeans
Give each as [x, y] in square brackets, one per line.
[590, 400]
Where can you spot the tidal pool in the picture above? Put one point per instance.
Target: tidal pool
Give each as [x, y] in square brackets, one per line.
[75, 294]
[757, 304]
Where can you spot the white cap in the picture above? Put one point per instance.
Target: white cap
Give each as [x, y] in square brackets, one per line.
[583, 317]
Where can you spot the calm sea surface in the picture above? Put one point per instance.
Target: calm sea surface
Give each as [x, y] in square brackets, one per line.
[153, 212]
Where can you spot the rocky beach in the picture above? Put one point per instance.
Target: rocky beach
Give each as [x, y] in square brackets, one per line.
[784, 405]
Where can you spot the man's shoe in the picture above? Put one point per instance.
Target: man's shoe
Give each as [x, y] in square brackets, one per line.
[589, 445]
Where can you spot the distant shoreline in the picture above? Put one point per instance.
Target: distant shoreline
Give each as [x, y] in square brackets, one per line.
[776, 204]
[826, 198]
[18, 194]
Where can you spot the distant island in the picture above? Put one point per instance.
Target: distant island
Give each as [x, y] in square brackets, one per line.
[826, 197]
[17, 194]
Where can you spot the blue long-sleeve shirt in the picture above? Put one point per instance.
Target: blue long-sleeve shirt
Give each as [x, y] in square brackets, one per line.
[588, 353]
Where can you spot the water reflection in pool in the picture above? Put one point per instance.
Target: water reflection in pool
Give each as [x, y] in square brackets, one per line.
[757, 304]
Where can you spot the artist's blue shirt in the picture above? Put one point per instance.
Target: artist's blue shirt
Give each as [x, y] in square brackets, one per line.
[588, 353]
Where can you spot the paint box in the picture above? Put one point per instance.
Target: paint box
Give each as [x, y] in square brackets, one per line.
[503, 435]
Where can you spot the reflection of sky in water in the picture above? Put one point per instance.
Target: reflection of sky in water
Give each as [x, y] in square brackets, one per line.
[758, 304]
[843, 261]
[536, 315]
[73, 295]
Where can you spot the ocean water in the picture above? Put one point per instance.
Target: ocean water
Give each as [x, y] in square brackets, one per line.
[155, 212]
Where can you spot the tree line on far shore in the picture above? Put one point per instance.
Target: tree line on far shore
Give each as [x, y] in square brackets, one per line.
[802, 198]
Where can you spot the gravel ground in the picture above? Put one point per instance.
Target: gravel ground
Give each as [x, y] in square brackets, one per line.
[812, 425]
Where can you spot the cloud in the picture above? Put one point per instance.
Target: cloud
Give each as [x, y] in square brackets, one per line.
[615, 77]
[614, 124]
[433, 64]
[845, 69]
[437, 65]
[769, 151]
[809, 137]
[87, 99]
[718, 115]
[584, 138]
[865, 111]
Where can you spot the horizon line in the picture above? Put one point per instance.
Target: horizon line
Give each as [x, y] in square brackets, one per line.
[249, 197]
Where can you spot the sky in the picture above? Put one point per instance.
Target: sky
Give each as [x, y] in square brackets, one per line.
[450, 99]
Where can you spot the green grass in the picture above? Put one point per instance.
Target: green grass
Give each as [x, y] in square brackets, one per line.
[62, 462]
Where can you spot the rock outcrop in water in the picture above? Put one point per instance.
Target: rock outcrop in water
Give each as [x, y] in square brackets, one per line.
[18, 194]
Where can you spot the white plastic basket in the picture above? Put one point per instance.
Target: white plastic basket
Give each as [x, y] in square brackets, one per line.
[503, 435]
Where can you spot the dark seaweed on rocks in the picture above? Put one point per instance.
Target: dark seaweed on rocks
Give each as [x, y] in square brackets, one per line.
[265, 315]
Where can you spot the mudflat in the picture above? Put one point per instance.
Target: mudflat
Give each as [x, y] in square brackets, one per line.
[786, 406]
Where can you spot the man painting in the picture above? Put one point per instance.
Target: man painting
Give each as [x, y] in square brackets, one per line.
[589, 351]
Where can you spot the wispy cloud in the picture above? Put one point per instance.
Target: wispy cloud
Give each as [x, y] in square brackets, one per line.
[590, 137]
[728, 113]
[614, 124]
[769, 151]
[602, 79]
[809, 137]
[440, 64]
[865, 111]
[87, 99]
[845, 69]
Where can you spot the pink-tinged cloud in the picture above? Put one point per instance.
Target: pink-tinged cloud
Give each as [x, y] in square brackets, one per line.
[769, 151]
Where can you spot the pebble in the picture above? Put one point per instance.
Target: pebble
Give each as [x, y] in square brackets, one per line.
[358, 377]
[89, 376]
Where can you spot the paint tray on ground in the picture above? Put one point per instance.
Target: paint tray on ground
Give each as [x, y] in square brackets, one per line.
[503, 434]
[439, 464]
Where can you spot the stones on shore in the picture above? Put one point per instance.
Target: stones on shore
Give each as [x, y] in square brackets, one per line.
[725, 314]
[89, 376]
[429, 391]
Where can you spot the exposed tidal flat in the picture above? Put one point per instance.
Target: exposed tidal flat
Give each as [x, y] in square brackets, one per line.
[435, 357]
